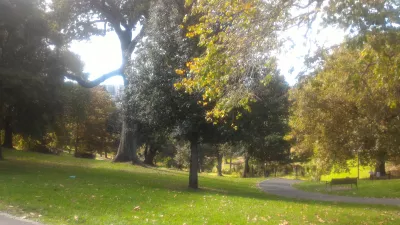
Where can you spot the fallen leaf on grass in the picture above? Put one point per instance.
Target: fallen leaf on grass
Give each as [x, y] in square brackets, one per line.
[137, 208]
[284, 222]
[320, 220]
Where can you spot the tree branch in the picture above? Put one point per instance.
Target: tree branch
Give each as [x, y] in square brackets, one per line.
[136, 40]
[110, 17]
[90, 84]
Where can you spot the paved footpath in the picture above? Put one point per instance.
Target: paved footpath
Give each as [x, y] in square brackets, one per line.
[283, 187]
[6, 219]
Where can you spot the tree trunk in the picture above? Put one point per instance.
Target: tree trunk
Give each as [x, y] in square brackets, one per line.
[8, 133]
[200, 168]
[149, 156]
[128, 142]
[1, 153]
[105, 154]
[380, 165]
[76, 140]
[194, 163]
[230, 164]
[264, 170]
[246, 169]
[219, 165]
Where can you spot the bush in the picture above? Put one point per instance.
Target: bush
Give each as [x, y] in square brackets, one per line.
[85, 155]
[169, 162]
[182, 157]
[208, 164]
[45, 150]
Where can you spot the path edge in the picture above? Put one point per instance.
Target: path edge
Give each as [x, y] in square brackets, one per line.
[19, 218]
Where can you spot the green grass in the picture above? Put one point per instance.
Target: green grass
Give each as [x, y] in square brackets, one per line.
[106, 193]
[366, 188]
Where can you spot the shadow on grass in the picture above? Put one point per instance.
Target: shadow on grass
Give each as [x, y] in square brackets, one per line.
[152, 179]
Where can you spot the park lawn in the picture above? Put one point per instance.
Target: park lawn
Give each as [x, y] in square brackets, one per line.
[366, 188]
[41, 188]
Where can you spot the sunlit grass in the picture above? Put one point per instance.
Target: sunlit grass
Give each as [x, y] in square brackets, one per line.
[65, 190]
[366, 188]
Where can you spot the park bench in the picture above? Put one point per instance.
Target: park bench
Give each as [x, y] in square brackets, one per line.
[338, 181]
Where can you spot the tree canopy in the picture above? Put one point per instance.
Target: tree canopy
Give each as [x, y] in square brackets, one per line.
[31, 71]
[350, 107]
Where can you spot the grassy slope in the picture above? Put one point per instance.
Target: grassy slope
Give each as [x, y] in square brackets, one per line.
[106, 193]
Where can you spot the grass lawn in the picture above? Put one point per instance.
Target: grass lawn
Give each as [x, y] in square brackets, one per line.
[366, 188]
[41, 188]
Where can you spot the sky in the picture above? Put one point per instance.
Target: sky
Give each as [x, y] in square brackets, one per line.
[102, 54]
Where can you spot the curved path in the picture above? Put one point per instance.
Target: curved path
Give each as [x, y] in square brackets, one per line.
[283, 187]
[7, 219]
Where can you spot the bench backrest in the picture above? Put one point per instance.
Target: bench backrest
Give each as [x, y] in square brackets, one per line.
[344, 181]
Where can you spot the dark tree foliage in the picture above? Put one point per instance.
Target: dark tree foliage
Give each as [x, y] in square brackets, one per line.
[158, 106]
[30, 71]
[262, 129]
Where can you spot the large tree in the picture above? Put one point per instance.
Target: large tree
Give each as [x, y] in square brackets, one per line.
[237, 38]
[29, 70]
[81, 19]
[262, 129]
[350, 107]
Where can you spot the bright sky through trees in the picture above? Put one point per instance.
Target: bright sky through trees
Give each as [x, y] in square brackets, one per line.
[102, 54]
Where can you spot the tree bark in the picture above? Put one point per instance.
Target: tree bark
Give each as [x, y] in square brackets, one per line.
[128, 142]
[194, 163]
[8, 133]
[76, 140]
[246, 169]
[219, 165]
[1, 153]
[230, 163]
[380, 165]
[149, 156]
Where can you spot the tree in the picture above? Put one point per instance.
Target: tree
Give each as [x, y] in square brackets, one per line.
[30, 70]
[238, 38]
[361, 16]
[83, 124]
[262, 129]
[158, 106]
[73, 120]
[80, 19]
[349, 107]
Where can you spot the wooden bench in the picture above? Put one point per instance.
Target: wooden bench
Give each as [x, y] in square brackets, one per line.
[338, 181]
